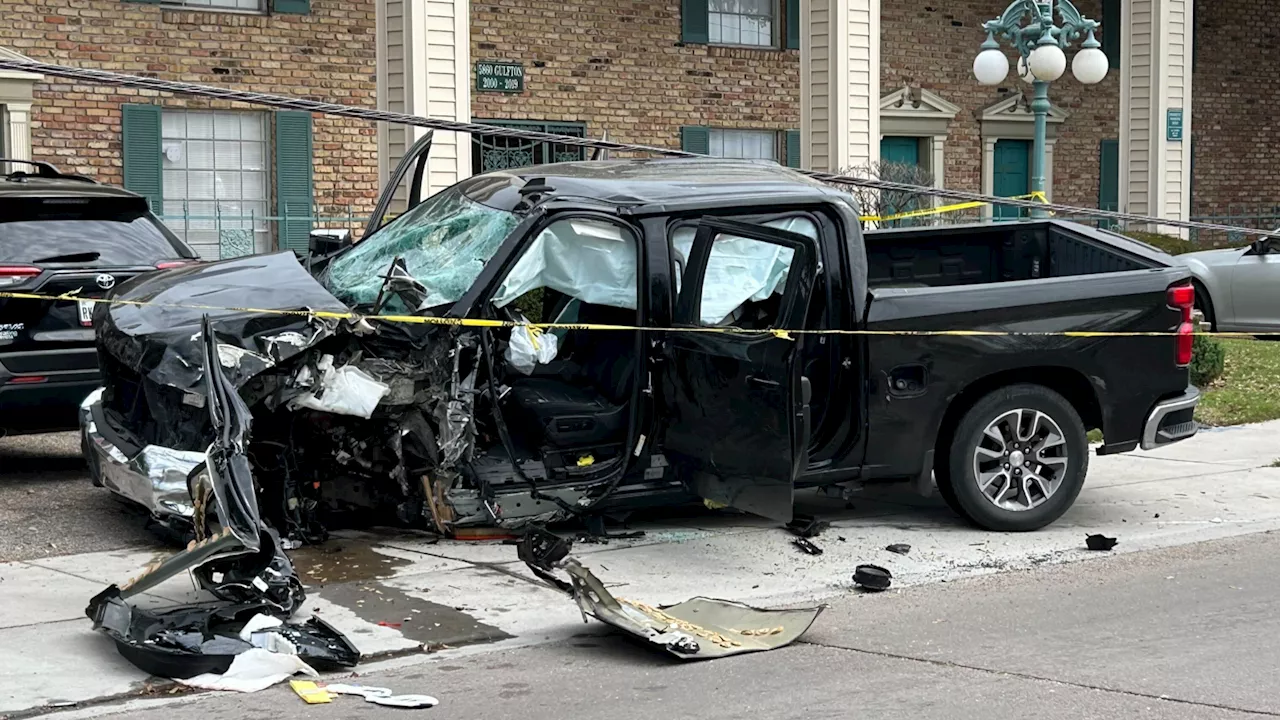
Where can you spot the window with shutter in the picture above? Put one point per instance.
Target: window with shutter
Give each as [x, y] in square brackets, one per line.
[792, 145]
[215, 181]
[1111, 31]
[141, 142]
[294, 194]
[748, 23]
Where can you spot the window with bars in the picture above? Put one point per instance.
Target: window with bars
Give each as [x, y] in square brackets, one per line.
[744, 144]
[244, 5]
[495, 152]
[215, 167]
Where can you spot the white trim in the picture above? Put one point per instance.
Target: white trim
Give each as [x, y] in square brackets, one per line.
[916, 112]
[904, 103]
[8, 54]
[16, 118]
[462, 77]
[17, 91]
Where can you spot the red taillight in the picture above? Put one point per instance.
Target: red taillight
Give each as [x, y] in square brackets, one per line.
[1186, 340]
[171, 264]
[1183, 297]
[17, 274]
[27, 379]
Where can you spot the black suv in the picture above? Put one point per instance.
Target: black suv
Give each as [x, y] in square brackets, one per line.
[63, 233]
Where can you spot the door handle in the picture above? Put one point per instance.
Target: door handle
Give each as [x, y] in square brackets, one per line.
[763, 381]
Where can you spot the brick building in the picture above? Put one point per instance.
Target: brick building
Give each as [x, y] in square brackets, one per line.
[838, 84]
[197, 159]
[830, 84]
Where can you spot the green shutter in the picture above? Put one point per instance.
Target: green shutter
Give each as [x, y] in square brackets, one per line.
[791, 144]
[1109, 178]
[695, 139]
[694, 25]
[141, 141]
[793, 24]
[1111, 31]
[292, 7]
[293, 178]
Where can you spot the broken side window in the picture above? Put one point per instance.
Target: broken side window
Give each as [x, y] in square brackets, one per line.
[445, 243]
[740, 271]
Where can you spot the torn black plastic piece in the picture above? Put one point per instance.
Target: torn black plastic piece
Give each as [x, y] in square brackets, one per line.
[807, 526]
[872, 577]
[1100, 542]
[806, 546]
[188, 640]
[899, 548]
[542, 551]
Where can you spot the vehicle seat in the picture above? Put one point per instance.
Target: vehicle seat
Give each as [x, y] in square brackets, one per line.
[589, 408]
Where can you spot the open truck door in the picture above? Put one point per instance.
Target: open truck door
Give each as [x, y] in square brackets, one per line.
[735, 402]
[403, 191]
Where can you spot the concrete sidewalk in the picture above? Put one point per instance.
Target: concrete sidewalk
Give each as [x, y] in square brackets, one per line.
[1219, 484]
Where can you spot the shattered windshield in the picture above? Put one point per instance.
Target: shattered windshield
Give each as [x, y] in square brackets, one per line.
[445, 243]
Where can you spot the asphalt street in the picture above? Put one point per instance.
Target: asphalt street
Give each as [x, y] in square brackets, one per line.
[48, 506]
[1186, 632]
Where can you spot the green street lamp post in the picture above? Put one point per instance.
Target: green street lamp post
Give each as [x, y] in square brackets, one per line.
[1028, 26]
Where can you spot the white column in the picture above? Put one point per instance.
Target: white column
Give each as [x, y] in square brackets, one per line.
[839, 83]
[1155, 88]
[424, 57]
[17, 118]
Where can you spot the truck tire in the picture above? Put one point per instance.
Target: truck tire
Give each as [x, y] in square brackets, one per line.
[1017, 459]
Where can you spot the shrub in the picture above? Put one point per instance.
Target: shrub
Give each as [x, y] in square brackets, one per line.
[1208, 360]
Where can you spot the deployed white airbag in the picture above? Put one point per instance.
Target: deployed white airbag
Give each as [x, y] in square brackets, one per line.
[741, 269]
[590, 260]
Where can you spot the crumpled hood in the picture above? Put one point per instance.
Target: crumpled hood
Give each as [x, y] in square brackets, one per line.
[161, 338]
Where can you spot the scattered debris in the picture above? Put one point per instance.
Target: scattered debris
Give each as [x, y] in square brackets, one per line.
[315, 694]
[1157, 517]
[807, 546]
[872, 577]
[1100, 542]
[1216, 520]
[696, 629]
[244, 639]
[252, 670]
[383, 696]
[807, 526]
[899, 548]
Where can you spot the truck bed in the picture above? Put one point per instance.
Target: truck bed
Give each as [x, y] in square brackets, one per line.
[999, 252]
[1019, 277]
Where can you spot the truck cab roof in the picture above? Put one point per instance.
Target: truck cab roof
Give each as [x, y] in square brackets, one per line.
[664, 183]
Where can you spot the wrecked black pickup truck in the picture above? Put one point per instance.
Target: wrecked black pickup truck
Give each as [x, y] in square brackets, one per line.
[692, 267]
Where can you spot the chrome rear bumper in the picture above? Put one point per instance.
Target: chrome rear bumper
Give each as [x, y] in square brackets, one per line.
[1171, 420]
[155, 477]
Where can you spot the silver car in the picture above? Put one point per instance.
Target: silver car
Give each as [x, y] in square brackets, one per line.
[1238, 289]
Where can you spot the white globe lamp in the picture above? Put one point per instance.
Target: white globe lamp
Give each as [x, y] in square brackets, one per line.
[991, 67]
[1024, 72]
[1047, 61]
[1090, 64]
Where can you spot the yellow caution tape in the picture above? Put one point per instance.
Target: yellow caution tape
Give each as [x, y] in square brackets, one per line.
[947, 208]
[784, 334]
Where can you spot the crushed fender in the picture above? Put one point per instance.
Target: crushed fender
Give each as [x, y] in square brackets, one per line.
[697, 629]
[242, 638]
